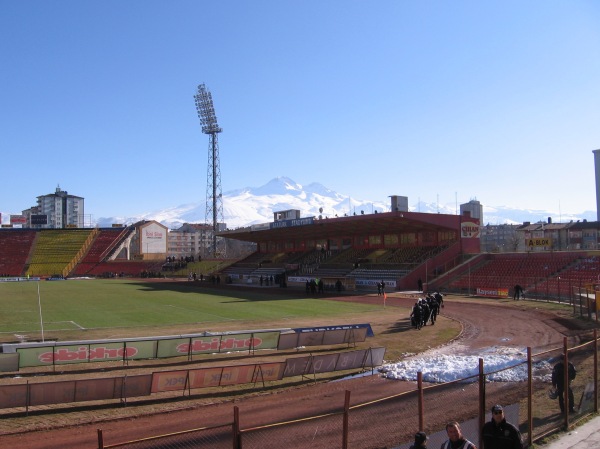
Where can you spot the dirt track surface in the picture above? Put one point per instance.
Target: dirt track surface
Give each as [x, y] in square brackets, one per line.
[484, 324]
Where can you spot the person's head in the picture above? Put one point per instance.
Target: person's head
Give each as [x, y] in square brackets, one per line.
[421, 439]
[497, 413]
[453, 431]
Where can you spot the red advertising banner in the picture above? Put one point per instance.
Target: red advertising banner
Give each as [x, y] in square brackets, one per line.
[230, 343]
[169, 381]
[60, 355]
[232, 375]
[18, 219]
[213, 344]
[208, 377]
[218, 376]
[322, 337]
[84, 351]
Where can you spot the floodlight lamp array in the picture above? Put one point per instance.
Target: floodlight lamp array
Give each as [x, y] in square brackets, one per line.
[206, 111]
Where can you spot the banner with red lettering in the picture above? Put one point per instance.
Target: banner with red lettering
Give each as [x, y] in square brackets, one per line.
[58, 354]
[217, 376]
[493, 292]
[218, 343]
[61, 355]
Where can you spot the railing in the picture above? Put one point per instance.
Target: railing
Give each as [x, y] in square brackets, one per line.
[81, 253]
[393, 420]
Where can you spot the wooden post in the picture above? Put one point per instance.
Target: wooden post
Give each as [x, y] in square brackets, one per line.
[237, 437]
[345, 420]
[100, 439]
[529, 397]
[481, 401]
[421, 401]
[596, 369]
[566, 383]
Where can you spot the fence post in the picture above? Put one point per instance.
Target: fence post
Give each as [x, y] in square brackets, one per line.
[27, 399]
[481, 401]
[345, 421]
[421, 402]
[570, 291]
[566, 383]
[529, 397]
[596, 370]
[237, 437]
[100, 439]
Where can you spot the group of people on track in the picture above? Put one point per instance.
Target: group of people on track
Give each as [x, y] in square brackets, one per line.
[426, 310]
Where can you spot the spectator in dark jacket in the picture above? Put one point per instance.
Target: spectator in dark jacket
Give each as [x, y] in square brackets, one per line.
[498, 433]
[420, 441]
[558, 382]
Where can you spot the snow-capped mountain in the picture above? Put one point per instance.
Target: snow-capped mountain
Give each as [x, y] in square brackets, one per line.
[254, 205]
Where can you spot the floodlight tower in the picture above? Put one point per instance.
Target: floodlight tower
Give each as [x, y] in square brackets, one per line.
[214, 197]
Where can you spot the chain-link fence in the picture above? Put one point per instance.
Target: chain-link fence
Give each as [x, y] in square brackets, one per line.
[217, 437]
[578, 292]
[319, 432]
[528, 391]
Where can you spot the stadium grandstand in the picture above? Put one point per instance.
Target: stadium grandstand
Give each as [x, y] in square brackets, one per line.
[407, 249]
[397, 247]
[352, 253]
[69, 252]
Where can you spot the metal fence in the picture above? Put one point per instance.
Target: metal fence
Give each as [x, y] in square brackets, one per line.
[391, 422]
[218, 437]
[563, 289]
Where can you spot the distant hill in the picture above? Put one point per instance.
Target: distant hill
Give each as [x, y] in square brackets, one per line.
[254, 205]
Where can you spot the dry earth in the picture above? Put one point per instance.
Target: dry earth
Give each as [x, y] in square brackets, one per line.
[484, 323]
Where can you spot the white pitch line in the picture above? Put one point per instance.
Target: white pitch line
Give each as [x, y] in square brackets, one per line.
[77, 325]
[201, 313]
[72, 322]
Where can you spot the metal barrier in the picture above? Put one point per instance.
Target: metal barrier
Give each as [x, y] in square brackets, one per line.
[218, 437]
[391, 422]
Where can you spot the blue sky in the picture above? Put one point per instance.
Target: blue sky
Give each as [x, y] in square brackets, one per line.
[434, 100]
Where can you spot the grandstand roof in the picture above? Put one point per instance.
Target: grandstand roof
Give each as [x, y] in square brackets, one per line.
[380, 223]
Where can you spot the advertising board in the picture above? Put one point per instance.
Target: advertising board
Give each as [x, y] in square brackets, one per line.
[37, 219]
[18, 219]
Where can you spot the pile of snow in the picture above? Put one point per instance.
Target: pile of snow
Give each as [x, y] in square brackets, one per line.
[441, 368]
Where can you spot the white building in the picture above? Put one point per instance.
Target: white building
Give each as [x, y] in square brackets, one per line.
[149, 242]
[56, 211]
[190, 240]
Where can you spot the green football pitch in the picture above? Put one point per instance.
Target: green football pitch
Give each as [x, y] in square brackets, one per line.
[74, 306]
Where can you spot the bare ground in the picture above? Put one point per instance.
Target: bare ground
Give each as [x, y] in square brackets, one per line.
[484, 323]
